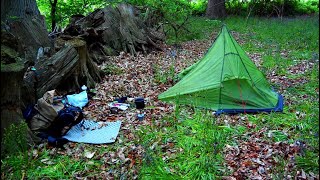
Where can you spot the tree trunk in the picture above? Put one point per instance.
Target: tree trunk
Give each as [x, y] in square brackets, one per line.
[53, 13]
[22, 19]
[10, 10]
[23, 31]
[216, 9]
[12, 80]
[110, 30]
[50, 72]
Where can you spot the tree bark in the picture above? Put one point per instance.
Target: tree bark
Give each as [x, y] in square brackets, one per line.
[13, 9]
[110, 30]
[23, 31]
[23, 20]
[216, 9]
[67, 70]
[50, 72]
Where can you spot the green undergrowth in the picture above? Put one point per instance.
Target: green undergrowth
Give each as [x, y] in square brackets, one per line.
[185, 146]
[279, 41]
[162, 76]
[282, 43]
[112, 70]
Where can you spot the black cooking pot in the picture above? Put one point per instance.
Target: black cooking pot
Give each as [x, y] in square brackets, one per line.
[139, 103]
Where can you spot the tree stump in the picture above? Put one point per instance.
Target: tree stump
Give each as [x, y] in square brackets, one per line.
[110, 30]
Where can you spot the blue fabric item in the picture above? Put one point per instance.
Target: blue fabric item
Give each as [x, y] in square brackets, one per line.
[278, 108]
[78, 100]
[122, 99]
[29, 112]
[92, 132]
[51, 140]
[43, 135]
[58, 142]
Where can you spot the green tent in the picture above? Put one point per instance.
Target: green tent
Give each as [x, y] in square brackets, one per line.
[225, 80]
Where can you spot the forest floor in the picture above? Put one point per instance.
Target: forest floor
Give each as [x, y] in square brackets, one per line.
[253, 155]
[181, 142]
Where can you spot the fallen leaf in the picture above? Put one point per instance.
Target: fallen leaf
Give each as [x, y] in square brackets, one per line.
[47, 161]
[89, 154]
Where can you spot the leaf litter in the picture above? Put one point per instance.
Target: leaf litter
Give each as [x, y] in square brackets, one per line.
[252, 158]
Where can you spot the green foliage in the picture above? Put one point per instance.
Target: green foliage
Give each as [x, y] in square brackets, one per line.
[15, 139]
[175, 12]
[308, 7]
[269, 8]
[299, 37]
[236, 7]
[14, 155]
[44, 164]
[112, 70]
[170, 16]
[58, 167]
[192, 149]
[309, 162]
[162, 76]
[16, 165]
[199, 7]
[66, 8]
[198, 28]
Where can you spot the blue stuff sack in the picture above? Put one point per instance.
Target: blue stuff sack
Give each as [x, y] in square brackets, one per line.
[29, 112]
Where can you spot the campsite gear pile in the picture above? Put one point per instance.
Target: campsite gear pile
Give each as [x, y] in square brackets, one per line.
[119, 104]
[53, 116]
[225, 80]
[59, 119]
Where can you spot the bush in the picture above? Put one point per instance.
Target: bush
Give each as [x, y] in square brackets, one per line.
[272, 8]
[236, 7]
[309, 7]
[199, 7]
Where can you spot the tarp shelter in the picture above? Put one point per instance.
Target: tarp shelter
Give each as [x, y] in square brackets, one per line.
[225, 80]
